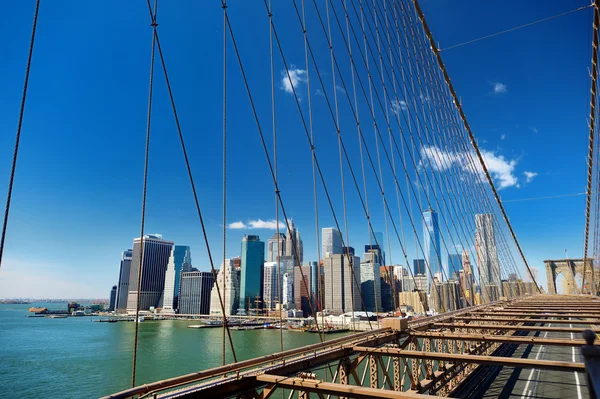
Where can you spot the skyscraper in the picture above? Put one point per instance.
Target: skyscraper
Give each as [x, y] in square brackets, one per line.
[228, 281]
[293, 244]
[370, 283]
[287, 300]
[487, 256]
[303, 288]
[251, 277]
[378, 239]
[113, 298]
[340, 291]
[419, 266]
[194, 296]
[271, 286]
[275, 247]
[332, 242]
[123, 285]
[454, 264]
[154, 268]
[431, 239]
[180, 261]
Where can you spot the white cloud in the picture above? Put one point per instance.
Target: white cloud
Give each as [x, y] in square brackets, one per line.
[529, 176]
[236, 225]
[399, 105]
[500, 88]
[295, 79]
[502, 136]
[501, 169]
[257, 224]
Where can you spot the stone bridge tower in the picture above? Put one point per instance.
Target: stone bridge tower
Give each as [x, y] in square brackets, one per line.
[569, 269]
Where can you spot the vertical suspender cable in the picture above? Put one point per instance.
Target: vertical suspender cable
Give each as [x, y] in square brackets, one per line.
[224, 7]
[141, 256]
[18, 136]
[593, 112]
[471, 136]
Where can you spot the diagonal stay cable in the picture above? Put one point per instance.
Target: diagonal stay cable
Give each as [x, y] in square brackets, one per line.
[143, 221]
[18, 135]
[192, 184]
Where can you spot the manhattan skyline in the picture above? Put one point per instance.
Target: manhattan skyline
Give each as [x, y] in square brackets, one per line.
[80, 194]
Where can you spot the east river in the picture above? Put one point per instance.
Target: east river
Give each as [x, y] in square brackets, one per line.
[76, 357]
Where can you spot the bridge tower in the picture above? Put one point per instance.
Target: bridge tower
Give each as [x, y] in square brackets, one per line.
[569, 268]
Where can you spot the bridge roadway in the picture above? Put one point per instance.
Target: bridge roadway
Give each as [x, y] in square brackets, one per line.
[507, 349]
[509, 382]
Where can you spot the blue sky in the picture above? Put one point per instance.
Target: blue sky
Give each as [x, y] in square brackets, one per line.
[76, 203]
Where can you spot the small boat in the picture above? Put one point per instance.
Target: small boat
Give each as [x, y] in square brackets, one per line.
[141, 319]
[298, 328]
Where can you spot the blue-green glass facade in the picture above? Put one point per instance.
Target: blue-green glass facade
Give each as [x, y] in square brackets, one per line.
[251, 276]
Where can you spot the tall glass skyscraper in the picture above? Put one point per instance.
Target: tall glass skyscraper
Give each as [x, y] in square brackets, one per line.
[431, 239]
[180, 261]
[123, 285]
[251, 276]
[194, 296]
[154, 268]
[332, 242]
[419, 266]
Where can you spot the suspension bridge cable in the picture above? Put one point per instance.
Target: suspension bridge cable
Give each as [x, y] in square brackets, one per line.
[191, 179]
[345, 90]
[516, 28]
[427, 85]
[369, 50]
[224, 7]
[18, 135]
[264, 146]
[468, 128]
[274, 123]
[592, 121]
[333, 118]
[143, 219]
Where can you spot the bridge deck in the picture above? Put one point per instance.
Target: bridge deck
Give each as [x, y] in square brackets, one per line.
[454, 354]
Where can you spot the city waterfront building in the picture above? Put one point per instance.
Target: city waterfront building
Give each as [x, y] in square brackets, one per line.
[303, 288]
[485, 246]
[445, 296]
[288, 291]
[228, 283]
[415, 299]
[123, 284]
[113, 298]
[275, 247]
[431, 241]
[332, 242]
[293, 244]
[420, 282]
[154, 267]
[271, 285]
[251, 277]
[378, 239]
[180, 261]
[419, 266]
[370, 283]
[195, 292]
[455, 264]
[340, 292]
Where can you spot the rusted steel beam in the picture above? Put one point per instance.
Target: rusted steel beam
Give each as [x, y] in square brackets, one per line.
[500, 338]
[523, 320]
[540, 313]
[350, 391]
[512, 328]
[478, 359]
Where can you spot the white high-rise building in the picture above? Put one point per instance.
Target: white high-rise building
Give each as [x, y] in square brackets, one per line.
[271, 286]
[485, 246]
[180, 261]
[288, 291]
[154, 268]
[332, 242]
[228, 281]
